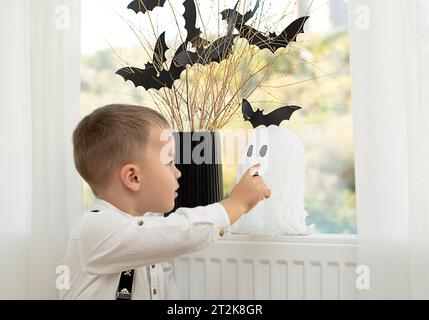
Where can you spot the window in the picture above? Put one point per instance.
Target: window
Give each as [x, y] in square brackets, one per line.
[317, 79]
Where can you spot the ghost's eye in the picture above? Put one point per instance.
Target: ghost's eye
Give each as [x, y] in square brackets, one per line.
[263, 151]
[250, 151]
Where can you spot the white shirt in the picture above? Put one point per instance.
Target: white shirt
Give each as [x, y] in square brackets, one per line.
[103, 244]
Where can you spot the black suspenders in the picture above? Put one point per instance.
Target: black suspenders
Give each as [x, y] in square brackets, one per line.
[125, 286]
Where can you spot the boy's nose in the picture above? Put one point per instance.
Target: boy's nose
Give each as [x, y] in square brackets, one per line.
[178, 173]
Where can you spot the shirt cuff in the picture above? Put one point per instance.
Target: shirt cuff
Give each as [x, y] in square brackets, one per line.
[222, 220]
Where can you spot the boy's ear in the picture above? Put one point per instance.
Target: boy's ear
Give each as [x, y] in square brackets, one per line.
[131, 177]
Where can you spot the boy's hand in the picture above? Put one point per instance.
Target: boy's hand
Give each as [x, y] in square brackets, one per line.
[246, 194]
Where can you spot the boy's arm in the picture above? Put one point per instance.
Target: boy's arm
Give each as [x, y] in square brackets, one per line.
[111, 243]
[246, 195]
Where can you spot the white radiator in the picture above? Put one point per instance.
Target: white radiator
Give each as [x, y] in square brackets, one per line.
[310, 267]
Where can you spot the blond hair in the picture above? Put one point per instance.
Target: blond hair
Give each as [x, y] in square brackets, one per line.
[111, 137]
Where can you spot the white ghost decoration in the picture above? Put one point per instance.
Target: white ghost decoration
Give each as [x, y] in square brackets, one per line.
[282, 156]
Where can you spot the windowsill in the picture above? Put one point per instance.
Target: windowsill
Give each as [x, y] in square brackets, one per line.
[343, 239]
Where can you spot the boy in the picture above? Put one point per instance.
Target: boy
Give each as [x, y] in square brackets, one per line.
[126, 155]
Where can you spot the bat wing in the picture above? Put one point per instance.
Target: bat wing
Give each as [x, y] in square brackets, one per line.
[247, 110]
[159, 51]
[199, 42]
[249, 14]
[140, 77]
[274, 42]
[185, 57]
[235, 19]
[232, 16]
[217, 51]
[252, 35]
[279, 115]
[149, 78]
[225, 14]
[145, 5]
[291, 32]
[255, 118]
[190, 17]
[255, 37]
[220, 49]
[167, 78]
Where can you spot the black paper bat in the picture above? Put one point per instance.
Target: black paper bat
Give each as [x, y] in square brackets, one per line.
[159, 57]
[233, 14]
[217, 51]
[154, 76]
[249, 14]
[272, 41]
[145, 5]
[232, 19]
[190, 17]
[276, 117]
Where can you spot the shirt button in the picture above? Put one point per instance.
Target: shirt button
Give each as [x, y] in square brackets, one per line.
[221, 233]
[140, 222]
[153, 266]
[154, 291]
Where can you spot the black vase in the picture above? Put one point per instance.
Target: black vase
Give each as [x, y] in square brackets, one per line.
[198, 157]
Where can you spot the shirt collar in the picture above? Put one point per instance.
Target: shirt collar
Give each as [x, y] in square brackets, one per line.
[100, 204]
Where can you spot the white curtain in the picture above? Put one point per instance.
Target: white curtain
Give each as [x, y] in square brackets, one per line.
[390, 90]
[39, 100]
